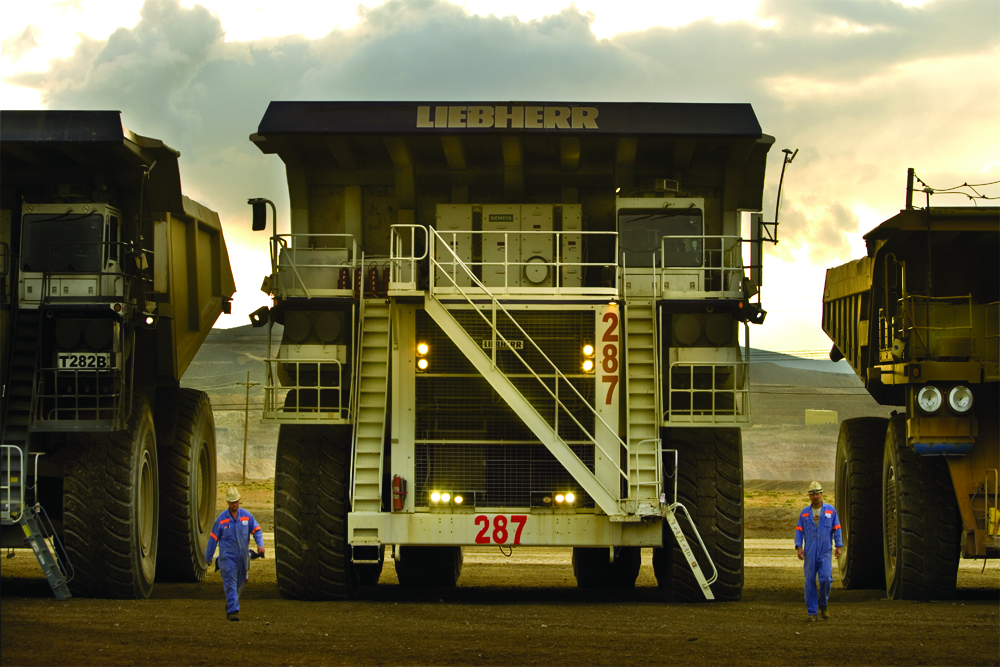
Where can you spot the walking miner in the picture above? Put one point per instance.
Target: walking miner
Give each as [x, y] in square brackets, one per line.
[818, 526]
[232, 532]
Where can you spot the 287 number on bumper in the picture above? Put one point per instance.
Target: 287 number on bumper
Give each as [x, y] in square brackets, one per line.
[498, 529]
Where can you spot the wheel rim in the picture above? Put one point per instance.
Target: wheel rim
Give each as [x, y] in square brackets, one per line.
[203, 509]
[147, 503]
[890, 515]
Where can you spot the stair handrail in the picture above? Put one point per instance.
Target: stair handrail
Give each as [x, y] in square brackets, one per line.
[673, 506]
[354, 411]
[396, 256]
[558, 374]
[6, 484]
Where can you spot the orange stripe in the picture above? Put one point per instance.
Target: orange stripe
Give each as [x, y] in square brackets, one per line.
[837, 527]
[805, 515]
[258, 528]
[224, 521]
[214, 537]
[798, 527]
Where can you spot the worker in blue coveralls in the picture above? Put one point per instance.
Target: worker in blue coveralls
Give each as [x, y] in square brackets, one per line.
[818, 526]
[232, 532]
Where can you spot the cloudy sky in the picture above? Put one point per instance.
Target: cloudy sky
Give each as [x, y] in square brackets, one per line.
[864, 90]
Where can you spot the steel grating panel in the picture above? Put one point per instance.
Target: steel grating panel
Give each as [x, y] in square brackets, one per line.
[495, 475]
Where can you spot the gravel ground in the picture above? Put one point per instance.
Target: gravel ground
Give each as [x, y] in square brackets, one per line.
[522, 609]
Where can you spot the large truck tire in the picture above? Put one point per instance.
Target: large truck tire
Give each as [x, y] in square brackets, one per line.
[920, 521]
[710, 485]
[187, 489]
[857, 490]
[429, 567]
[593, 568]
[311, 502]
[111, 509]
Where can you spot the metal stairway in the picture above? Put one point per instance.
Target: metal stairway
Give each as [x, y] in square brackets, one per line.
[23, 362]
[642, 387]
[55, 574]
[13, 510]
[542, 430]
[370, 405]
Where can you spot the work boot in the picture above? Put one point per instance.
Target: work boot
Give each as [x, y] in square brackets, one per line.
[232, 616]
[823, 614]
[811, 618]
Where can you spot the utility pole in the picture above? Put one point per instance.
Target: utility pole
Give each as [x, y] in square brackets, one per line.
[246, 421]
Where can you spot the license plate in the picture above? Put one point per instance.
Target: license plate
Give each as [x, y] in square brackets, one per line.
[87, 360]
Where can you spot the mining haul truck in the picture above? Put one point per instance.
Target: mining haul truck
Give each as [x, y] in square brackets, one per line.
[917, 319]
[510, 325]
[111, 281]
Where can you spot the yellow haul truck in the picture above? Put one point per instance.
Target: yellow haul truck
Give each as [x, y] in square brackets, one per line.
[511, 325]
[917, 319]
[112, 279]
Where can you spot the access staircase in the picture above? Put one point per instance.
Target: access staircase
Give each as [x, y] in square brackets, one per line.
[642, 387]
[23, 362]
[371, 393]
[14, 511]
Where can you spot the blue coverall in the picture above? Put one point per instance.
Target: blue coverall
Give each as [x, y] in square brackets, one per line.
[233, 538]
[818, 552]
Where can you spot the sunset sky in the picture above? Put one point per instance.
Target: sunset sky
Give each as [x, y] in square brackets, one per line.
[863, 89]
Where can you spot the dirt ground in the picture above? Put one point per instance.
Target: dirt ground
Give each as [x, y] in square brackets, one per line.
[522, 609]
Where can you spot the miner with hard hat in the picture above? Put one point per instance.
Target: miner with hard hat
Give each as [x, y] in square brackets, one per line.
[818, 528]
[232, 532]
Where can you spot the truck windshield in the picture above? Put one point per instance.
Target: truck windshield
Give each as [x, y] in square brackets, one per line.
[641, 230]
[57, 242]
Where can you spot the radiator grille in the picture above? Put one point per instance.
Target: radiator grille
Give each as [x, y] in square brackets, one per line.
[495, 475]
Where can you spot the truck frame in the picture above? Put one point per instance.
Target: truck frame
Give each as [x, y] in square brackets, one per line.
[516, 325]
[111, 281]
[917, 319]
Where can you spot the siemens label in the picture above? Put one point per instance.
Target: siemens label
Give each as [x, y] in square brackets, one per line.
[513, 117]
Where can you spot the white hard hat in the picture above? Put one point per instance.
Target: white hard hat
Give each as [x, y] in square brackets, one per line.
[232, 495]
[815, 487]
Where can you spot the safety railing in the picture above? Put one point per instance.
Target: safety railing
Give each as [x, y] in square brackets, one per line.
[305, 390]
[68, 399]
[11, 484]
[937, 328]
[700, 267]
[517, 263]
[700, 392]
[991, 359]
[498, 340]
[314, 265]
[407, 250]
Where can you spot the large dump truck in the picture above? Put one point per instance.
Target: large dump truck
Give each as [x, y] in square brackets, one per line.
[111, 281]
[515, 325]
[917, 319]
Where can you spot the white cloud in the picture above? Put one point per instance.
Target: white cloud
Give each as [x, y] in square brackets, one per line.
[863, 89]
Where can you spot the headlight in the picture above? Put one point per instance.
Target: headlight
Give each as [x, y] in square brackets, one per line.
[929, 399]
[960, 399]
[422, 364]
[422, 348]
[445, 497]
[588, 350]
[570, 498]
[588, 366]
[435, 497]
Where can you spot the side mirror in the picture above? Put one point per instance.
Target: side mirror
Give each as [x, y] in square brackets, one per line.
[259, 215]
